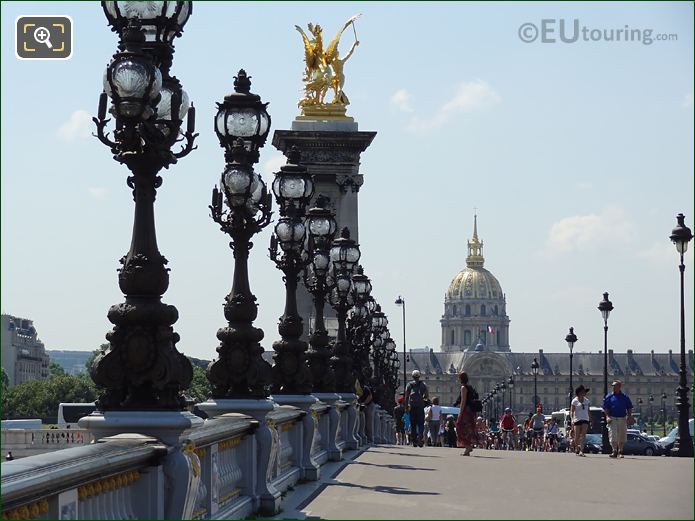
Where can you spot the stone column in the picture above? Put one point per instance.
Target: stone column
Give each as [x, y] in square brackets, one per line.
[330, 150]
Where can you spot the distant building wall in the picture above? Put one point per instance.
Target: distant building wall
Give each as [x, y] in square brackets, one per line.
[24, 357]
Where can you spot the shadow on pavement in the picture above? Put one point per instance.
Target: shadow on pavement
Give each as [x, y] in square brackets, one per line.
[424, 455]
[385, 489]
[392, 466]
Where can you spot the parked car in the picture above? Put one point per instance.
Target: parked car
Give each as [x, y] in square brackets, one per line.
[638, 444]
[593, 443]
[668, 441]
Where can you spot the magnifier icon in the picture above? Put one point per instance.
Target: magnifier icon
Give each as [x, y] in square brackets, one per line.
[43, 35]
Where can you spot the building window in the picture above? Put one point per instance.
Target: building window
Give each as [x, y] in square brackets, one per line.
[483, 336]
[453, 312]
[468, 310]
[495, 311]
[467, 337]
[453, 336]
[482, 310]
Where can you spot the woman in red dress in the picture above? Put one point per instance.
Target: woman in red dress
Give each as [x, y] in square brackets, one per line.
[466, 436]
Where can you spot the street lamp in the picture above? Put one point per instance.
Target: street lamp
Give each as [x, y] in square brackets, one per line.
[359, 330]
[510, 384]
[400, 301]
[681, 236]
[344, 255]
[240, 371]
[571, 338]
[639, 407]
[293, 189]
[664, 397]
[534, 368]
[141, 369]
[503, 386]
[322, 227]
[605, 307]
[651, 414]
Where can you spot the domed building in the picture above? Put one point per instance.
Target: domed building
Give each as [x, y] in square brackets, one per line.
[475, 308]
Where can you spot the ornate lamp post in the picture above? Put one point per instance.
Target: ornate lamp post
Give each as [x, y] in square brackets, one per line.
[664, 397]
[344, 255]
[360, 326]
[141, 369]
[503, 386]
[605, 307]
[322, 227]
[571, 339]
[293, 189]
[497, 399]
[651, 414]
[534, 368]
[681, 236]
[400, 301]
[240, 371]
[510, 384]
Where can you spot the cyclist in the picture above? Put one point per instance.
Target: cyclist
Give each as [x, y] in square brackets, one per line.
[508, 424]
[551, 436]
[538, 426]
[529, 431]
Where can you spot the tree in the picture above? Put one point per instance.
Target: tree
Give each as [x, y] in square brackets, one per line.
[88, 363]
[5, 387]
[55, 369]
[200, 389]
[40, 398]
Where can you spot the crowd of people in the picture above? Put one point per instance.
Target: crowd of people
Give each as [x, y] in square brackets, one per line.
[421, 421]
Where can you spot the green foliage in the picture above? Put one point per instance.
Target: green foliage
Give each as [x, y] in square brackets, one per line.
[55, 369]
[5, 386]
[95, 353]
[40, 398]
[200, 389]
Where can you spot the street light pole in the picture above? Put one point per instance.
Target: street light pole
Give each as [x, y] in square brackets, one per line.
[510, 383]
[534, 368]
[400, 301]
[681, 236]
[571, 338]
[605, 307]
[651, 414]
[663, 408]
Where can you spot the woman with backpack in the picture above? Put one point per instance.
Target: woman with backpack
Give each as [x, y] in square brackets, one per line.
[467, 437]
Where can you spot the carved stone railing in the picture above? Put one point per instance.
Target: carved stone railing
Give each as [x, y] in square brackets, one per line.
[226, 449]
[287, 432]
[106, 480]
[212, 472]
[29, 442]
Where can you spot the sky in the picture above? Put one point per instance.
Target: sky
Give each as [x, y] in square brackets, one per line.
[577, 155]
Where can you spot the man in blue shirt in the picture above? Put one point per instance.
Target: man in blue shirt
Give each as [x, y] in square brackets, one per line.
[618, 409]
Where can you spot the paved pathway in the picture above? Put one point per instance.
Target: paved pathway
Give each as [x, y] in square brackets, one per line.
[396, 482]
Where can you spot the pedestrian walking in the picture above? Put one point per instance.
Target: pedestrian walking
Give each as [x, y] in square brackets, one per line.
[618, 409]
[465, 423]
[433, 416]
[398, 414]
[579, 414]
[415, 396]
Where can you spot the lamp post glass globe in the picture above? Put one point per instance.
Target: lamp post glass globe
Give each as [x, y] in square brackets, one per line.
[162, 21]
[605, 306]
[681, 235]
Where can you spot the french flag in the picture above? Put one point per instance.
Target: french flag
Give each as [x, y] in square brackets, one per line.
[490, 329]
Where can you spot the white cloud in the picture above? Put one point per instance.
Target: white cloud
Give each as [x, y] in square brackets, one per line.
[79, 126]
[401, 99]
[470, 96]
[98, 192]
[587, 232]
[664, 254]
[272, 165]
[688, 102]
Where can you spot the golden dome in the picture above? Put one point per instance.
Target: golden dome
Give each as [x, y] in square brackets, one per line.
[474, 283]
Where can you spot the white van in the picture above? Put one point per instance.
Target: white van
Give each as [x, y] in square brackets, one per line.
[22, 424]
[70, 413]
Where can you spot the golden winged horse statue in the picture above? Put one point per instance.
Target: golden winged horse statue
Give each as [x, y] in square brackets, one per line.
[324, 71]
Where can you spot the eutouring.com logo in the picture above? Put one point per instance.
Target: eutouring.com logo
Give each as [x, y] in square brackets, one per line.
[553, 30]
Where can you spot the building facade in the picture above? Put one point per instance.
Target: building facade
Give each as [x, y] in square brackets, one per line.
[475, 308]
[475, 339]
[24, 357]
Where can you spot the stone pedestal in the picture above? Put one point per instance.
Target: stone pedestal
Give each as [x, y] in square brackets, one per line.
[335, 453]
[267, 498]
[330, 150]
[350, 426]
[167, 426]
[310, 470]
